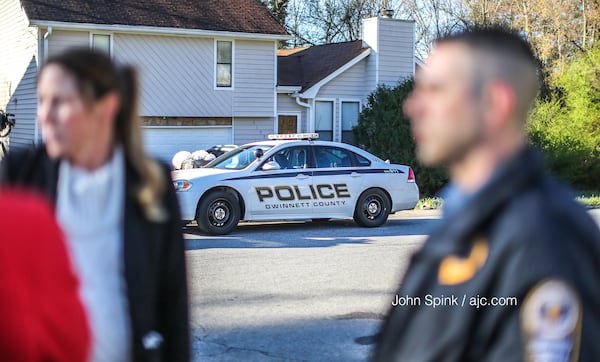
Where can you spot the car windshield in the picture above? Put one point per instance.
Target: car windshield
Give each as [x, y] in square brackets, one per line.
[239, 158]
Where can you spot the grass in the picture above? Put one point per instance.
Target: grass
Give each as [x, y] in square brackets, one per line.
[589, 199]
[429, 203]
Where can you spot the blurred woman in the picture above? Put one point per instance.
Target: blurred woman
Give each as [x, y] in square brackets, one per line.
[115, 205]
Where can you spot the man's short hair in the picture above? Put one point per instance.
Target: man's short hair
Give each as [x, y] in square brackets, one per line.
[503, 54]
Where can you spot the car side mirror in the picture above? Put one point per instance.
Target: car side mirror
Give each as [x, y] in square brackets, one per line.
[270, 166]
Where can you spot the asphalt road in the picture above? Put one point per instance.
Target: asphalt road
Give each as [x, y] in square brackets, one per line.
[298, 291]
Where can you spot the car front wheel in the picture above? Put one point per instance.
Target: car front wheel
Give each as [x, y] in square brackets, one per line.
[372, 208]
[218, 213]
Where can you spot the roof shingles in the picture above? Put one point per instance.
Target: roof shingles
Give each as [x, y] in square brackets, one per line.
[246, 16]
[307, 67]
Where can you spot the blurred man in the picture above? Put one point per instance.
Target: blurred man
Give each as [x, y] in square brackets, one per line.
[513, 272]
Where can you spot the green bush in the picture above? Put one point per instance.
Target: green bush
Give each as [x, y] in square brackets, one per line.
[384, 131]
[567, 125]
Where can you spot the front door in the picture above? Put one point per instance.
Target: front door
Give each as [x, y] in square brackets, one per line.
[283, 189]
[287, 124]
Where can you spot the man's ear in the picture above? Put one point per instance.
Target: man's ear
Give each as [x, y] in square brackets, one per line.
[108, 106]
[499, 104]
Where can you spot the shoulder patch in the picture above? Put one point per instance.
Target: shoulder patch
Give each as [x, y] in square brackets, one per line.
[551, 322]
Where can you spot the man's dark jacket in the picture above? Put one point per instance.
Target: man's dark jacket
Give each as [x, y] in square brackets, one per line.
[534, 231]
[154, 259]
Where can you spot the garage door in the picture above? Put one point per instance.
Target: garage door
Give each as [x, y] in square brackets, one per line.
[164, 142]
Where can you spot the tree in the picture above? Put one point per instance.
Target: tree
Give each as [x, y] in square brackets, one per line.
[278, 8]
[384, 131]
[339, 20]
[433, 19]
[557, 29]
[296, 23]
[315, 22]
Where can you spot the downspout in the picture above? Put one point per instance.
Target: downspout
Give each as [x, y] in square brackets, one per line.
[36, 132]
[308, 107]
[46, 36]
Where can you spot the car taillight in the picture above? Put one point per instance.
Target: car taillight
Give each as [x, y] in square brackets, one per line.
[411, 175]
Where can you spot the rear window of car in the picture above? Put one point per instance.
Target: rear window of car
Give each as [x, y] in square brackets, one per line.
[361, 161]
[327, 156]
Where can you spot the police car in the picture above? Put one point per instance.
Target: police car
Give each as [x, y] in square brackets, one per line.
[291, 177]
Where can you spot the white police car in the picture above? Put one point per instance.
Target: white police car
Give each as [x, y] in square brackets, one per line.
[290, 177]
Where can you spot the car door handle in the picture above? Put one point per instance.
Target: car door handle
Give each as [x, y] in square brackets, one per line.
[302, 176]
[355, 174]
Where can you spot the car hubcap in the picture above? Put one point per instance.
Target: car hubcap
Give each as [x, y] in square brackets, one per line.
[373, 208]
[219, 213]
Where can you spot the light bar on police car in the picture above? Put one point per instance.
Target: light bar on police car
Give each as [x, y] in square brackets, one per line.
[294, 136]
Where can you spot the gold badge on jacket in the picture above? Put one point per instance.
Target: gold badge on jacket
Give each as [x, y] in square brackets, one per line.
[455, 269]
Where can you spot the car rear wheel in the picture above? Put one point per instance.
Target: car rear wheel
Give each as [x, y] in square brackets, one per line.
[218, 213]
[372, 208]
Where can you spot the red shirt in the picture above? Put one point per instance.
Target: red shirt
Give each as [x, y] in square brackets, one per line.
[41, 316]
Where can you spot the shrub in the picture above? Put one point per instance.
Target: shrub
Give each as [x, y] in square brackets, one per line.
[567, 126]
[384, 131]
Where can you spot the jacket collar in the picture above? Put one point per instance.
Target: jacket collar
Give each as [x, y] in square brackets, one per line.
[512, 178]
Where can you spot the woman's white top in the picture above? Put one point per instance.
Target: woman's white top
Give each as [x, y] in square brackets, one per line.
[90, 209]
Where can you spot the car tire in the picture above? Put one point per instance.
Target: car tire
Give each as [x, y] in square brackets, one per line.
[218, 213]
[372, 208]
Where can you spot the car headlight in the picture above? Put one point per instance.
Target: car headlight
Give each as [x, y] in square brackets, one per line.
[182, 185]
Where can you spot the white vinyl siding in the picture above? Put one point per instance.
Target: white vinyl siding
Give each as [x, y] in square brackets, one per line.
[350, 84]
[61, 40]
[370, 31]
[254, 77]
[392, 49]
[24, 106]
[18, 71]
[176, 75]
[396, 56]
[246, 130]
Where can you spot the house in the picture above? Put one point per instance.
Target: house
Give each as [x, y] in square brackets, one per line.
[210, 71]
[323, 88]
[207, 68]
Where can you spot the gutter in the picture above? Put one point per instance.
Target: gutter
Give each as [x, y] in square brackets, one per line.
[144, 29]
[46, 36]
[309, 112]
